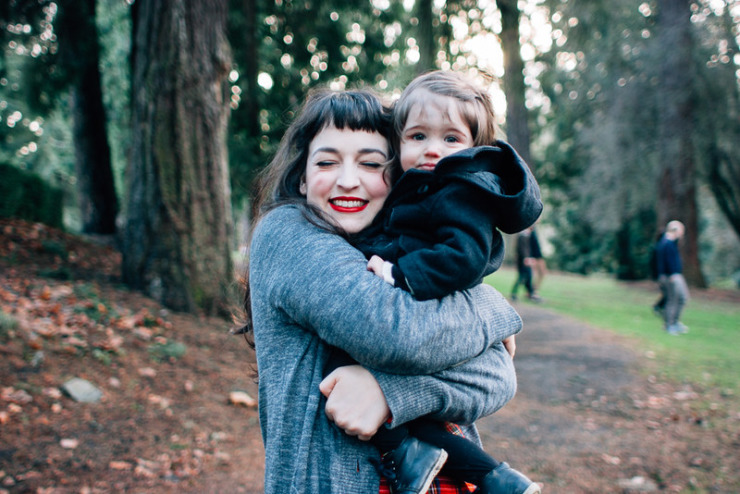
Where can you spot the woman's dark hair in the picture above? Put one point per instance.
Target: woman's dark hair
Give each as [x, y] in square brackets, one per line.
[279, 183]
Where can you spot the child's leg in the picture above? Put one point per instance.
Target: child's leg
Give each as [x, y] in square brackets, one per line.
[385, 439]
[337, 358]
[466, 460]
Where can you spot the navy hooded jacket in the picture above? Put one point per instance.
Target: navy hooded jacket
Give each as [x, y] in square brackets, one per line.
[441, 229]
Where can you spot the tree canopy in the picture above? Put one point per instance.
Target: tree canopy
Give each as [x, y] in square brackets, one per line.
[602, 88]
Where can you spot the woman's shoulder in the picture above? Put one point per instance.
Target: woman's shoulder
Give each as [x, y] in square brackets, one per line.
[287, 228]
[284, 219]
[286, 213]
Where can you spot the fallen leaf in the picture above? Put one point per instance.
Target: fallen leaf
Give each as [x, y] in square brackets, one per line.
[147, 372]
[685, 395]
[52, 393]
[69, 443]
[45, 293]
[241, 398]
[120, 465]
[612, 460]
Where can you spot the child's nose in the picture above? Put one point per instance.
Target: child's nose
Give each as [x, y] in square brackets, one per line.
[433, 148]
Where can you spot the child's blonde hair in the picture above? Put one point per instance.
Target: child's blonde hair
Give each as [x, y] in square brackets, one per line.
[474, 104]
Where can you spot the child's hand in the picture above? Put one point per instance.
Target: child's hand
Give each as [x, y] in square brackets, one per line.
[381, 268]
[375, 264]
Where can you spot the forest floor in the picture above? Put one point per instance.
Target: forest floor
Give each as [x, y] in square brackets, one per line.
[589, 416]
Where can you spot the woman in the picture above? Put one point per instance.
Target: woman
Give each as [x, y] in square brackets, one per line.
[309, 289]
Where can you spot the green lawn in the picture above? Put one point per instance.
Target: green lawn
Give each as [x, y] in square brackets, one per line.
[708, 356]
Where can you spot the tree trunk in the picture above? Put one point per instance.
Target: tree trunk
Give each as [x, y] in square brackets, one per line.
[251, 102]
[724, 182]
[251, 69]
[517, 125]
[95, 184]
[723, 167]
[179, 227]
[677, 178]
[425, 36]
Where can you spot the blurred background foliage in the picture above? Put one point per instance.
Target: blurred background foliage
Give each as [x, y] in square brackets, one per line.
[592, 94]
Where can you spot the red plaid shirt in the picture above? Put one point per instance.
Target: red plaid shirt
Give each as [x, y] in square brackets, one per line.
[441, 484]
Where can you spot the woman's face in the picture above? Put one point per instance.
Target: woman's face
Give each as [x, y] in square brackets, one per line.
[345, 175]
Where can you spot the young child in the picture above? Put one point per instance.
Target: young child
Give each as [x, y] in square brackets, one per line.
[439, 232]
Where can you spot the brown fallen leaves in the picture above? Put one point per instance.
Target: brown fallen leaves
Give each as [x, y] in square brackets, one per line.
[163, 421]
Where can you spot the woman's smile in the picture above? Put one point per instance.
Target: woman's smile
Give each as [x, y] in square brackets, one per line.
[348, 204]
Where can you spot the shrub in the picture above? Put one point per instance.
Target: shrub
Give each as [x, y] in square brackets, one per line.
[26, 196]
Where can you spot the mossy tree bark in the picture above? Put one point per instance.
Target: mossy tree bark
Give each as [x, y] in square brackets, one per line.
[80, 56]
[178, 234]
[677, 179]
[517, 117]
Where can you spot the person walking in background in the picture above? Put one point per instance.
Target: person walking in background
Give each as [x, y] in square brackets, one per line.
[671, 279]
[659, 305]
[524, 264]
[539, 267]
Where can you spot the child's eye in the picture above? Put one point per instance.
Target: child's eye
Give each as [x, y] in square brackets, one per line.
[452, 139]
[418, 137]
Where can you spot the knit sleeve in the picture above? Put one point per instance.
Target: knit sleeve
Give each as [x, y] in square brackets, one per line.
[461, 394]
[321, 284]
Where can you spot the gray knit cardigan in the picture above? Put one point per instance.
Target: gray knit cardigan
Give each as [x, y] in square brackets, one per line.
[310, 289]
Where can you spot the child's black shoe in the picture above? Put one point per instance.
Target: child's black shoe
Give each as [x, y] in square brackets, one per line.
[412, 466]
[505, 480]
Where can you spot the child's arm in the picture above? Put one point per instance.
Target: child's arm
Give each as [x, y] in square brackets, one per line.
[464, 241]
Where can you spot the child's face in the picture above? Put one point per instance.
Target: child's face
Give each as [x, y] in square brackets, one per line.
[432, 131]
[345, 175]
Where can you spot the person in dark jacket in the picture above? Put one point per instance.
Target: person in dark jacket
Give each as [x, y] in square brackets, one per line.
[671, 279]
[539, 269]
[525, 261]
[659, 305]
[438, 232]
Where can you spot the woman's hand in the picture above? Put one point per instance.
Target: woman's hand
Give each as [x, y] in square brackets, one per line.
[354, 401]
[510, 345]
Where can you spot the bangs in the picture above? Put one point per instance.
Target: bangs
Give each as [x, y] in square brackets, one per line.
[356, 111]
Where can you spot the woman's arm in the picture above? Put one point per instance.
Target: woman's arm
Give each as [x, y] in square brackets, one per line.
[321, 283]
[461, 394]
[360, 401]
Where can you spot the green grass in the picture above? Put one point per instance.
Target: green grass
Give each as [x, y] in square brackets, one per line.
[707, 356]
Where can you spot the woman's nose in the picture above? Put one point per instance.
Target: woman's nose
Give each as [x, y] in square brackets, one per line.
[348, 176]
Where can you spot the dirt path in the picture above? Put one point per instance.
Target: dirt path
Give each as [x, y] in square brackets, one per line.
[590, 418]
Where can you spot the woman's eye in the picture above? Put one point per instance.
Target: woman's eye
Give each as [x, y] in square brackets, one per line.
[372, 164]
[324, 163]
